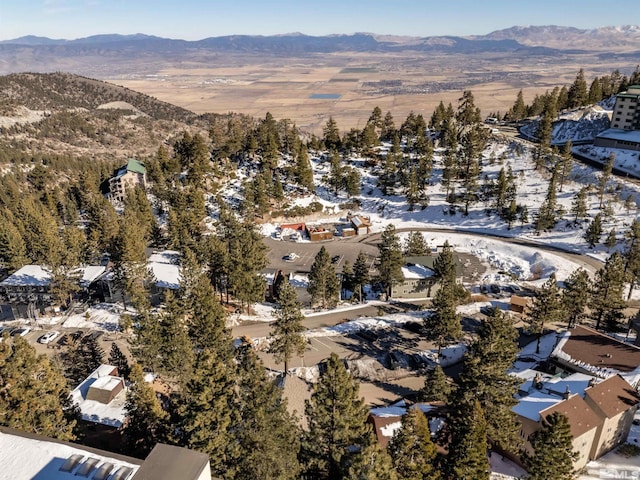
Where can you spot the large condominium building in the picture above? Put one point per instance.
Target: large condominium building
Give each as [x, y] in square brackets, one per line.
[626, 113]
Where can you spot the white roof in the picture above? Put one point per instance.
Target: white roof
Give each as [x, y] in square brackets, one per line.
[91, 273]
[25, 458]
[113, 413]
[165, 256]
[416, 272]
[167, 275]
[531, 405]
[618, 134]
[29, 275]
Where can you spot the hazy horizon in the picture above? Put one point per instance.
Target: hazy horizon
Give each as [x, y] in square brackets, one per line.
[199, 19]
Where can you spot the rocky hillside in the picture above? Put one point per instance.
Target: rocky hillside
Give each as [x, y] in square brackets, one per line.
[66, 114]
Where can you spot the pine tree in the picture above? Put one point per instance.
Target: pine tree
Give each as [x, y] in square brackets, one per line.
[485, 378]
[579, 204]
[553, 450]
[565, 163]
[324, 286]
[416, 245]
[545, 308]
[286, 335]
[632, 255]
[467, 459]
[207, 410]
[607, 168]
[578, 94]
[372, 462]
[436, 387]
[304, 172]
[594, 231]
[176, 347]
[119, 360]
[607, 300]
[412, 450]
[147, 421]
[360, 275]
[331, 135]
[267, 435]
[390, 259]
[547, 216]
[444, 324]
[336, 417]
[81, 359]
[34, 396]
[575, 297]
[611, 240]
[519, 110]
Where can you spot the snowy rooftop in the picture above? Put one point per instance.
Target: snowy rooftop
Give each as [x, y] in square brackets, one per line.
[167, 275]
[29, 275]
[618, 134]
[531, 405]
[37, 458]
[165, 256]
[91, 273]
[111, 414]
[416, 272]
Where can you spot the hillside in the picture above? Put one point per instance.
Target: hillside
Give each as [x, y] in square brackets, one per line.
[61, 114]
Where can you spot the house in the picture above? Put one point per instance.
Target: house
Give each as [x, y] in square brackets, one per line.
[387, 420]
[133, 174]
[101, 397]
[360, 224]
[317, 234]
[419, 280]
[30, 456]
[599, 412]
[32, 283]
[585, 350]
[519, 304]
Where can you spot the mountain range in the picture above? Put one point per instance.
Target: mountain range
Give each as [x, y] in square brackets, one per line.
[32, 53]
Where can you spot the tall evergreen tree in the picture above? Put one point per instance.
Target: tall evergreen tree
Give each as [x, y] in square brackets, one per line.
[267, 434]
[147, 423]
[553, 450]
[416, 245]
[607, 168]
[436, 387]
[207, 411]
[547, 215]
[372, 462]
[545, 308]
[594, 231]
[304, 172]
[412, 450]
[607, 300]
[119, 360]
[34, 396]
[337, 424]
[467, 458]
[444, 324]
[286, 335]
[390, 259]
[360, 275]
[81, 358]
[632, 255]
[324, 286]
[578, 94]
[485, 378]
[579, 204]
[575, 297]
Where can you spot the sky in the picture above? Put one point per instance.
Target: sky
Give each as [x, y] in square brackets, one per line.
[197, 19]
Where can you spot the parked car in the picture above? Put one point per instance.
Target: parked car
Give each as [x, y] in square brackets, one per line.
[49, 337]
[335, 259]
[20, 331]
[290, 257]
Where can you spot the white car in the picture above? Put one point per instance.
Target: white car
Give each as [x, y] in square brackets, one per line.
[49, 337]
[291, 257]
[20, 332]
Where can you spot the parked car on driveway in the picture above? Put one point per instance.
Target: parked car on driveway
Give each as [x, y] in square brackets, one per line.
[49, 337]
[20, 331]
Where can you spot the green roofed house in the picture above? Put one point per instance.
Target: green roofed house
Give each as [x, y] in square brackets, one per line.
[129, 176]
